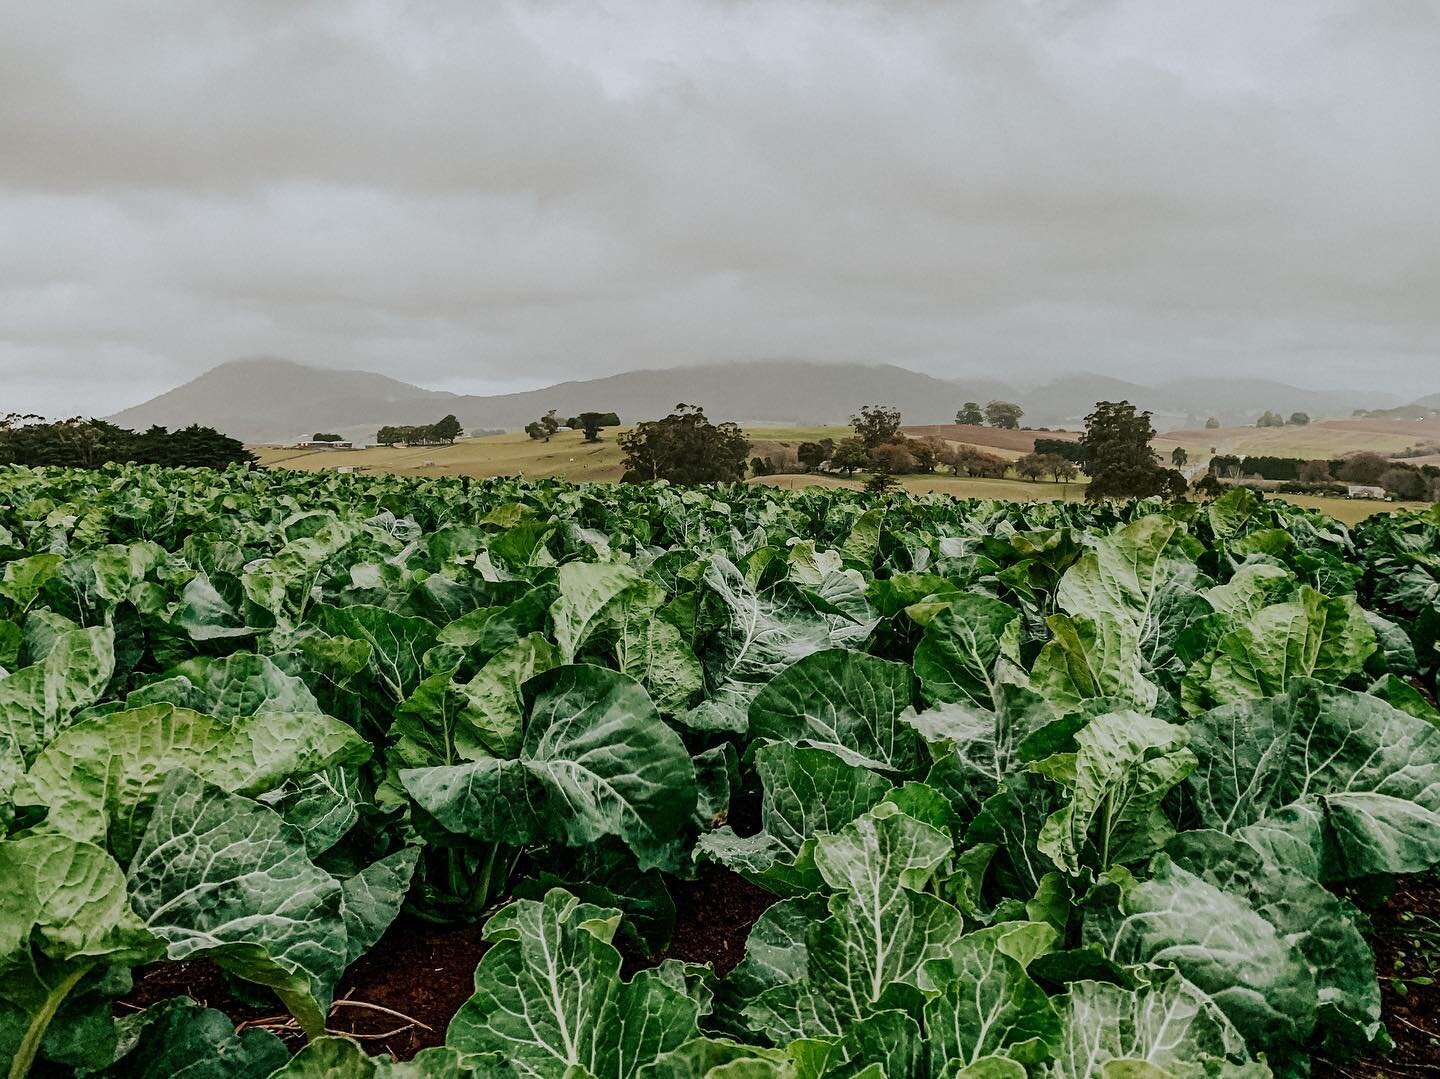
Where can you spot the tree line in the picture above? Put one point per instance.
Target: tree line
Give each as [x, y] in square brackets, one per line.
[27, 439]
[591, 423]
[1399, 479]
[1005, 415]
[1114, 452]
[685, 447]
[441, 433]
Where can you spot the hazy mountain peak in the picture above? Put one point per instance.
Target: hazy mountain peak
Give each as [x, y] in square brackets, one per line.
[272, 399]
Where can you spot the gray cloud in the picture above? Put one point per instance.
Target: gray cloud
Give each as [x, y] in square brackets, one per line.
[488, 196]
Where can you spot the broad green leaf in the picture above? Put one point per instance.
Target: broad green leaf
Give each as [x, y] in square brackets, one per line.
[549, 997]
[218, 875]
[1310, 637]
[344, 1058]
[1170, 1026]
[203, 614]
[1140, 573]
[595, 760]
[654, 653]
[1086, 659]
[179, 1038]
[397, 642]
[1370, 774]
[24, 577]
[1398, 693]
[884, 1043]
[987, 1004]
[1250, 589]
[842, 701]
[370, 900]
[38, 701]
[242, 684]
[975, 749]
[428, 726]
[587, 593]
[101, 777]
[775, 955]
[880, 851]
[1325, 929]
[1125, 765]
[752, 636]
[1012, 822]
[880, 932]
[64, 918]
[1123, 572]
[955, 660]
[322, 806]
[720, 1058]
[1218, 942]
[494, 710]
[804, 792]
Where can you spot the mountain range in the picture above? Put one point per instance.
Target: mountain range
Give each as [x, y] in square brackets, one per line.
[274, 400]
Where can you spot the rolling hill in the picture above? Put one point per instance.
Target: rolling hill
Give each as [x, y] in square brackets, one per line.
[269, 400]
[273, 400]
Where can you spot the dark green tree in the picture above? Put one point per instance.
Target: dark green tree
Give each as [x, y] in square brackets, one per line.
[1364, 468]
[591, 423]
[90, 443]
[1404, 483]
[1299, 419]
[1179, 457]
[876, 424]
[320, 436]
[1118, 456]
[849, 456]
[881, 482]
[448, 430]
[1003, 414]
[684, 447]
[811, 454]
[970, 414]
[1209, 485]
[1061, 447]
[1032, 466]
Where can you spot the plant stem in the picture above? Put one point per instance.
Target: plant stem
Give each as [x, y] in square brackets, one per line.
[29, 1047]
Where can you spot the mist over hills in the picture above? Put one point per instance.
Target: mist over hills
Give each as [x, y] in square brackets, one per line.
[275, 400]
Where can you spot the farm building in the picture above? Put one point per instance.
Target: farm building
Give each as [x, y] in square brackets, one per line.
[1362, 491]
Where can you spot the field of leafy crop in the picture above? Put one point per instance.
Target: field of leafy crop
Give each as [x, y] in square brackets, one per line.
[1032, 790]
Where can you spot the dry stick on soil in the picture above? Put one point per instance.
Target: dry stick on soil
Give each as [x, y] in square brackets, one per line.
[380, 1008]
[370, 1037]
[1412, 1026]
[282, 1024]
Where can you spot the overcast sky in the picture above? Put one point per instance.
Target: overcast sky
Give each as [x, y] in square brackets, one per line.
[478, 196]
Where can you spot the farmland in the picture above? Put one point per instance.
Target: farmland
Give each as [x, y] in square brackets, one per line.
[304, 770]
[567, 456]
[1322, 439]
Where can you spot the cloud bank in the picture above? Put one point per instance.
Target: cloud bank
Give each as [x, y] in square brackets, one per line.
[493, 196]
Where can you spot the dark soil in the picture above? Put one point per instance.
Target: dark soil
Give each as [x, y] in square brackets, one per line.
[421, 973]
[1407, 947]
[714, 914]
